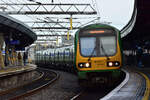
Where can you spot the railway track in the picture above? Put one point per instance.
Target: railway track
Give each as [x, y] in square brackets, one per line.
[96, 93]
[134, 88]
[45, 80]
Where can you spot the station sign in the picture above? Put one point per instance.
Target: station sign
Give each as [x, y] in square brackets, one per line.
[13, 42]
[98, 31]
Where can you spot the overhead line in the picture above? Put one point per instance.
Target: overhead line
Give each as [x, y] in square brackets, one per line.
[54, 12]
[52, 35]
[38, 3]
[49, 30]
[54, 28]
[47, 22]
[69, 17]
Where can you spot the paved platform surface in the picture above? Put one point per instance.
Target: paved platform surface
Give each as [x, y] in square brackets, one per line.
[133, 89]
[146, 71]
[10, 70]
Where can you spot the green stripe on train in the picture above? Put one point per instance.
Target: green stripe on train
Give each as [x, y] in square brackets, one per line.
[75, 49]
[83, 74]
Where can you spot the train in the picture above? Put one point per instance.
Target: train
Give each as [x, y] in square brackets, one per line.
[96, 55]
[60, 58]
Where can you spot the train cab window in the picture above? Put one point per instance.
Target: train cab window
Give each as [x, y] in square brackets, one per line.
[87, 45]
[97, 46]
[107, 45]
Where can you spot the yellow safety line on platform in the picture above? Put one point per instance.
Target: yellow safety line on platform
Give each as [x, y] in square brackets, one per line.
[147, 91]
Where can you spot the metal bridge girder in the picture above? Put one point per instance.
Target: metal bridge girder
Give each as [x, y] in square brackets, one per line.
[40, 8]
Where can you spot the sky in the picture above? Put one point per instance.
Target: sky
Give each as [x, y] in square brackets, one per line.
[118, 12]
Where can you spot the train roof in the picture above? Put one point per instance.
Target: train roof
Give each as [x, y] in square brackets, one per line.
[97, 25]
[55, 49]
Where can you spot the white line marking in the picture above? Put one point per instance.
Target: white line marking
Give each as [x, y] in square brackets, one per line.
[117, 88]
[76, 96]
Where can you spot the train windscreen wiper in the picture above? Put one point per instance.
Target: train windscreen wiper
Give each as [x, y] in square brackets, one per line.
[105, 54]
[92, 53]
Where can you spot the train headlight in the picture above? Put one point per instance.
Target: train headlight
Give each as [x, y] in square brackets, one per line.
[116, 63]
[84, 65]
[110, 64]
[87, 65]
[113, 64]
[81, 65]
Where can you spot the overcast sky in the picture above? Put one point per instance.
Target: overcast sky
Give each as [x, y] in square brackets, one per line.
[116, 11]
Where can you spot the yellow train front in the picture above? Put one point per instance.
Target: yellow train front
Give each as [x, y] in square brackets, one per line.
[98, 56]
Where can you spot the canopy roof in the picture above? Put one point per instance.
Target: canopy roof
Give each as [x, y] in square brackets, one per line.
[17, 30]
[140, 32]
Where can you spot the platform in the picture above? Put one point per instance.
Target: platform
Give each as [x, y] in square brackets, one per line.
[14, 36]
[12, 77]
[11, 70]
[134, 87]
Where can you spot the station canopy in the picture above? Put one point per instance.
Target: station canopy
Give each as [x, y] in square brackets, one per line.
[139, 35]
[15, 32]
